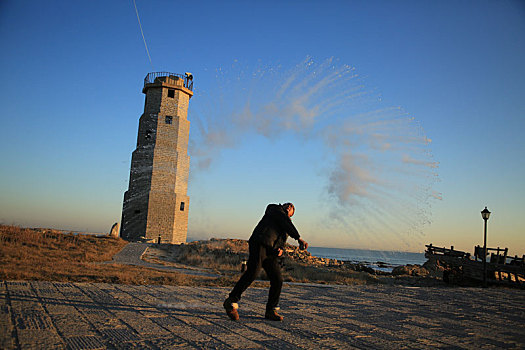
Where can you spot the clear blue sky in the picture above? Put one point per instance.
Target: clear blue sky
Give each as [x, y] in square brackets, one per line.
[359, 171]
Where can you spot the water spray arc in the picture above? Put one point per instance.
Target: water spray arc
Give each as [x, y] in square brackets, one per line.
[375, 161]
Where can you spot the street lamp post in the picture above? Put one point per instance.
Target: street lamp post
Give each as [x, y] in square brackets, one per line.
[485, 213]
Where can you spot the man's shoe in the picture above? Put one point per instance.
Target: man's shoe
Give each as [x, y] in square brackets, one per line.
[231, 309]
[272, 315]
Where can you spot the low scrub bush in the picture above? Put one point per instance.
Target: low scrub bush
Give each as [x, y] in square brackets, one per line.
[226, 255]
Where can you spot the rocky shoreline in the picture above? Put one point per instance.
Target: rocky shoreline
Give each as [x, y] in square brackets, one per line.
[428, 271]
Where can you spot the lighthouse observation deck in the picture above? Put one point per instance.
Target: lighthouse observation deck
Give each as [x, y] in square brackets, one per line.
[185, 80]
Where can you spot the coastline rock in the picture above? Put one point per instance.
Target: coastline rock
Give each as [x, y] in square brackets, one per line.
[364, 268]
[410, 270]
[434, 268]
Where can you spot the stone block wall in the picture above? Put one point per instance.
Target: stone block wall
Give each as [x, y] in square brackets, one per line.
[156, 203]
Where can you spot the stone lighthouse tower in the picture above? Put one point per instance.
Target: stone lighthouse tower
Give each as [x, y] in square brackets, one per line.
[156, 202]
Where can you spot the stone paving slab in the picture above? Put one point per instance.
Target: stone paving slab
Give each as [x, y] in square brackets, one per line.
[52, 315]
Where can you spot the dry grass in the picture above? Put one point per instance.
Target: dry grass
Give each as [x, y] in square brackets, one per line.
[300, 272]
[50, 255]
[222, 255]
[225, 256]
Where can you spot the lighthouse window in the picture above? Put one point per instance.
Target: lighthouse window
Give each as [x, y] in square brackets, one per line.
[171, 93]
[181, 206]
[169, 119]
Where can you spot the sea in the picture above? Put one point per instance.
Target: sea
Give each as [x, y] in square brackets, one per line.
[381, 260]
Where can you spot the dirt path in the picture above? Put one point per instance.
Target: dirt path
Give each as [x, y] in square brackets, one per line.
[132, 254]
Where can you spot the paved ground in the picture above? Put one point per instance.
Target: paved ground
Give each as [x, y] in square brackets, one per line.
[47, 315]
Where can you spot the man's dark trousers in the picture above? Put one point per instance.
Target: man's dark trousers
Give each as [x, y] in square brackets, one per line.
[260, 256]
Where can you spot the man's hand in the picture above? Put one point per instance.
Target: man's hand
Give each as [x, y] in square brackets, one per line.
[302, 244]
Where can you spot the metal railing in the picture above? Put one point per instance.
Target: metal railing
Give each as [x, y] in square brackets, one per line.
[153, 76]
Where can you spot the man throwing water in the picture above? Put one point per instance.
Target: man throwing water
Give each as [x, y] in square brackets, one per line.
[266, 246]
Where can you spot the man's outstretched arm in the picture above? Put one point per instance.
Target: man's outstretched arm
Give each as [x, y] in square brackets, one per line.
[289, 227]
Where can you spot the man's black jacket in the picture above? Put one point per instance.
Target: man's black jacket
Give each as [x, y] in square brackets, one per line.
[274, 228]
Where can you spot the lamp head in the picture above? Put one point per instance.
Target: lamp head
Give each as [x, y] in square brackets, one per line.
[485, 213]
